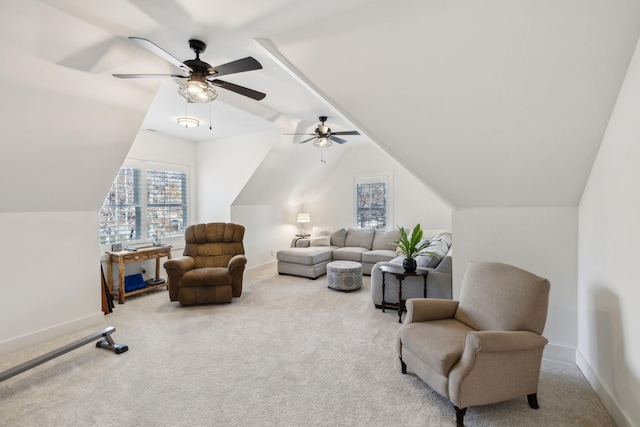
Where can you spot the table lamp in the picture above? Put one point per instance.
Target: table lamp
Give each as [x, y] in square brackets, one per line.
[302, 218]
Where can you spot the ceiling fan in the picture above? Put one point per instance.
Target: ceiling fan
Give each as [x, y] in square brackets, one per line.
[201, 76]
[323, 135]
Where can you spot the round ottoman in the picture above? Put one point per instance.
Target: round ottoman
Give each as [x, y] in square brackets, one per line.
[344, 275]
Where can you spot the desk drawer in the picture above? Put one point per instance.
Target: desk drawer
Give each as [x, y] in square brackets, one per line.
[135, 257]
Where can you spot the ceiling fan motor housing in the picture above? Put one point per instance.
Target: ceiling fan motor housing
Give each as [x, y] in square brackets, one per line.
[197, 46]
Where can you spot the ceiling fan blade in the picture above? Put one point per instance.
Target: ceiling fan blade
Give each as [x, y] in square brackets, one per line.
[338, 140]
[298, 133]
[349, 132]
[158, 51]
[307, 140]
[136, 76]
[254, 94]
[239, 66]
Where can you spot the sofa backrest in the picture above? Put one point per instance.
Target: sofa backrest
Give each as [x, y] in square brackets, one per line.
[384, 239]
[359, 238]
[501, 297]
[213, 244]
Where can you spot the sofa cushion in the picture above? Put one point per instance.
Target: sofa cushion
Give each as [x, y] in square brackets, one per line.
[385, 239]
[338, 236]
[436, 251]
[212, 276]
[438, 343]
[306, 256]
[377, 255]
[359, 238]
[432, 254]
[349, 254]
[443, 236]
[302, 243]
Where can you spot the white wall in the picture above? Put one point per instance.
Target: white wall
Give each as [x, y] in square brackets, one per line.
[50, 276]
[331, 200]
[59, 155]
[266, 232]
[224, 167]
[609, 250]
[540, 240]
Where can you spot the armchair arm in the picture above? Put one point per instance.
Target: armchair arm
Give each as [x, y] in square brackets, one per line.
[496, 366]
[496, 341]
[176, 268]
[301, 243]
[237, 261]
[236, 268]
[421, 309]
[180, 265]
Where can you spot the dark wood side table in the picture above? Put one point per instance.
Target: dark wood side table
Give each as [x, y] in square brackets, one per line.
[400, 274]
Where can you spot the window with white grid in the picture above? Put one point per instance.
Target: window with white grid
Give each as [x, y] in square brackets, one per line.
[145, 200]
[373, 201]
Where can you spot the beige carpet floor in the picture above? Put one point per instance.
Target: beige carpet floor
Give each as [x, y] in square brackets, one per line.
[289, 352]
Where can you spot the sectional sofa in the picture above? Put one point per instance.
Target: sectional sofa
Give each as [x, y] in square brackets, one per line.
[309, 257]
[436, 259]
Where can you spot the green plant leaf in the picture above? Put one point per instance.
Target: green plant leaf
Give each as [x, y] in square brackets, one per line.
[410, 245]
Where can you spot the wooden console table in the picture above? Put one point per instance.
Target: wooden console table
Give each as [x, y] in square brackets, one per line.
[126, 257]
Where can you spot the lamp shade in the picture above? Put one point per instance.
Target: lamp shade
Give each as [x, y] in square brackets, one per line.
[304, 217]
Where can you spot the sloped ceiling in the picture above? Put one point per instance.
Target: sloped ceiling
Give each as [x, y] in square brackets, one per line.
[489, 103]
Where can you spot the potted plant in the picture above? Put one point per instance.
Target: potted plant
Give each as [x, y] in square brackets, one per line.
[410, 246]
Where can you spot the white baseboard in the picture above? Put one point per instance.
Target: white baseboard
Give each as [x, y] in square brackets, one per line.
[265, 266]
[558, 352]
[609, 402]
[43, 335]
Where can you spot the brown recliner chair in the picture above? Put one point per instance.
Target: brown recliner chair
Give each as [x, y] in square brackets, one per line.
[485, 348]
[211, 268]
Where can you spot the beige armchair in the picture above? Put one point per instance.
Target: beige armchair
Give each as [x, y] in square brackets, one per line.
[212, 265]
[484, 348]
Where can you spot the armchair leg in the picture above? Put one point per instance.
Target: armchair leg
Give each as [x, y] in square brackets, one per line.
[403, 366]
[533, 400]
[460, 416]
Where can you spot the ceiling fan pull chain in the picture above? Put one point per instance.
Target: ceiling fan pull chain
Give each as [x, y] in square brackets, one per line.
[210, 121]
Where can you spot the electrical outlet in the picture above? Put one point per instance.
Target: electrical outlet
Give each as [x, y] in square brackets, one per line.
[272, 252]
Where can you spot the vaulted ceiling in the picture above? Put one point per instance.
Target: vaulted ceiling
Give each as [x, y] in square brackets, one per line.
[489, 103]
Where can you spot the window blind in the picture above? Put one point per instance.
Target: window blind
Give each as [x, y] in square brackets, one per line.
[120, 216]
[142, 202]
[166, 202]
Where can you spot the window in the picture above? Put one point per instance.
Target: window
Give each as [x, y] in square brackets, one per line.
[144, 200]
[372, 195]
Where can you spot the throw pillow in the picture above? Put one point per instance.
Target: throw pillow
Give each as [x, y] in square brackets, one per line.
[337, 237]
[321, 241]
[322, 231]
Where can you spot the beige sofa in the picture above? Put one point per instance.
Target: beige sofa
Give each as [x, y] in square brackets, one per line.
[309, 257]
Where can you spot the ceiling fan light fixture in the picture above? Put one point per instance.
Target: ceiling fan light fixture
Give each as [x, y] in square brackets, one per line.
[197, 91]
[322, 141]
[188, 122]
